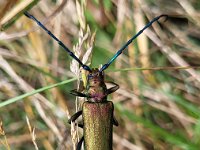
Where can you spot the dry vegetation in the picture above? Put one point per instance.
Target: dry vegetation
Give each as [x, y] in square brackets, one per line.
[157, 105]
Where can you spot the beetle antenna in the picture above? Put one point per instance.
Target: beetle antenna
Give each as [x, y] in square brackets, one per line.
[130, 41]
[85, 67]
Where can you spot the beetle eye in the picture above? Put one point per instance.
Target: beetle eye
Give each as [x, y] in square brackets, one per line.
[90, 75]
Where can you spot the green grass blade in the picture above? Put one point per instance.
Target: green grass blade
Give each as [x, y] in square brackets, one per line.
[15, 99]
[153, 68]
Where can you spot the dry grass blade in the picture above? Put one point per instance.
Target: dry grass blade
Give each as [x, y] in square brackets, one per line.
[15, 12]
[4, 142]
[32, 132]
[84, 38]
[157, 105]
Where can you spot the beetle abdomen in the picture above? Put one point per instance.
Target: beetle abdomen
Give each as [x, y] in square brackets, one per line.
[98, 125]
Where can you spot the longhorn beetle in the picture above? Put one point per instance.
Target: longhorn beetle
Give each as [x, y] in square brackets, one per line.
[97, 112]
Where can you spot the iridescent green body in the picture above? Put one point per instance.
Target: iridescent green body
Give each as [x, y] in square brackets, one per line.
[97, 112]
[98, 125]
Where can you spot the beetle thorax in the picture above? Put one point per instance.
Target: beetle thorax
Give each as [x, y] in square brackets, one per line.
[96, 87]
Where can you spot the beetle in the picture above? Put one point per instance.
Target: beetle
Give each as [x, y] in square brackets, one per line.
[97, 111]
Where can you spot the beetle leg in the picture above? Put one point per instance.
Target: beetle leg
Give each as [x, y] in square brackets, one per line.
[79, 125]
[78, 147]
[75, 116]
[115, 122]
[77, 93]
[112, 89]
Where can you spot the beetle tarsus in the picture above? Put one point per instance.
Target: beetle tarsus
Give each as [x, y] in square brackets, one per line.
[78, 147]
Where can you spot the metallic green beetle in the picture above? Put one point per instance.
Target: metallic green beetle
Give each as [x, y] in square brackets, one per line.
[97, 112]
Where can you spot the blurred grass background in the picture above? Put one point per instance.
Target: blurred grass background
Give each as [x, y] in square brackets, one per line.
[157, 108]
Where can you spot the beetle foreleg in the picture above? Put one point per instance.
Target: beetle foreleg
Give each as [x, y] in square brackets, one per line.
[77, 93]
[112, 89]
[78, 147]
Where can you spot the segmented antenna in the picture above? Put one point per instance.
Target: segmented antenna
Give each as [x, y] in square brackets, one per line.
[105, 66]
[85, 67]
